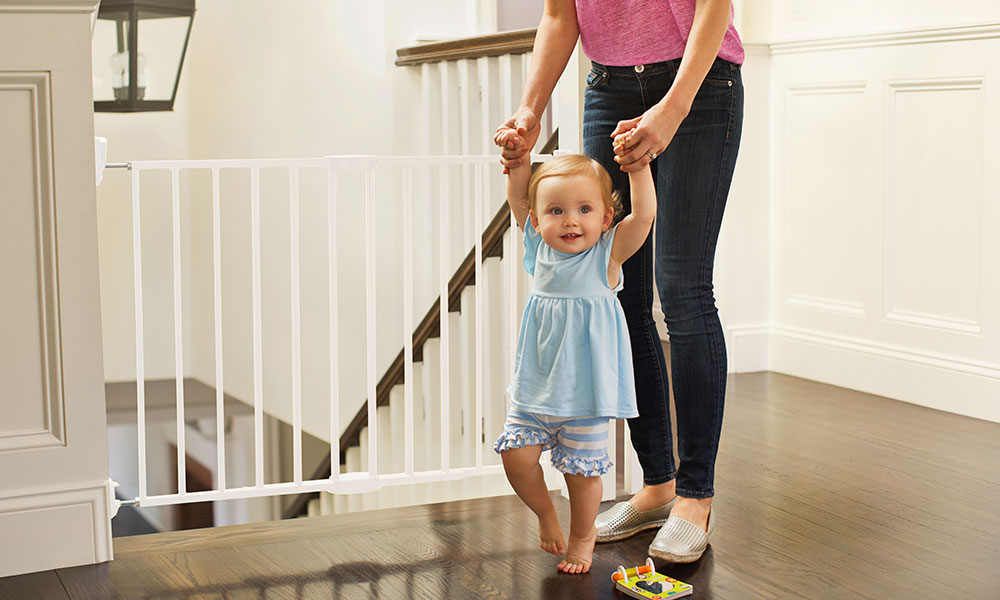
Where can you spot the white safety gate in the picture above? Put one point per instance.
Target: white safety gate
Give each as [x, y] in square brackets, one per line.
[370, 168]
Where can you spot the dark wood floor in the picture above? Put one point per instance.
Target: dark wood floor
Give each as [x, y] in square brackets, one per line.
[821, 493]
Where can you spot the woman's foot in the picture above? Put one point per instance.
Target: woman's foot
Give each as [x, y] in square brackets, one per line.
[653, 496]
[579, 554]
[693, 510]
[681, 540]
[550, 535]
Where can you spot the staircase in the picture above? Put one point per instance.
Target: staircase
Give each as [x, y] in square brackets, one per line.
[465, 440]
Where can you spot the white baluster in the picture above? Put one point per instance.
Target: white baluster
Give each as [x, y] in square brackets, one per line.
[465, 365]
[493, 358]
[326, 504]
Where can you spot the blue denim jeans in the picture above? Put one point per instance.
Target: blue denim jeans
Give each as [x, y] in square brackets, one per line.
[692, 178]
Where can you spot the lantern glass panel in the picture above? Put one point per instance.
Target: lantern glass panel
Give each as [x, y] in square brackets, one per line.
[110, 48]
[161, 49]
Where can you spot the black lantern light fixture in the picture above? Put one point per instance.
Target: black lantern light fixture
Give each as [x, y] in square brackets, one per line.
[139, 48]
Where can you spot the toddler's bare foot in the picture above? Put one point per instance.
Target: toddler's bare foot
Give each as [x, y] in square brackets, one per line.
[550, 536]
[579, 554]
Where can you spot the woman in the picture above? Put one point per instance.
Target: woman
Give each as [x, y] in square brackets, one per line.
[670, 69]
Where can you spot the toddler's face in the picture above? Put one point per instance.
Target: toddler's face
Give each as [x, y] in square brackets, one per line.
[569, 213]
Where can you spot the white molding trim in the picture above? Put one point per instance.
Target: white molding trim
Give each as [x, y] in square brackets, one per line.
[747, 346]
[881, 350]
[38, 86]
[94, 495]
[906, 374]
[50, 6]
[828, 88]
[947, 324]
[756, 48]
[889, 310]
[902, 37]
[951, 384]
[48, 490]
[843, 307]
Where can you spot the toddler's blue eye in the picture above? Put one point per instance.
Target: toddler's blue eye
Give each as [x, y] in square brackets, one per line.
[557, 211]
[585, 209]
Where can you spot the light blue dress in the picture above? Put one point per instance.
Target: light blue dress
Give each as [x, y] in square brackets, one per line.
[574, 358]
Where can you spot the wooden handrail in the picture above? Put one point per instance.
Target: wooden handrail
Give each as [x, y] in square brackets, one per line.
[429, 327]
[508, 42]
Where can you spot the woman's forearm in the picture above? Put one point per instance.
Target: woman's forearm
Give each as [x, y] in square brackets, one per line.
[711, 19]
[554, 44]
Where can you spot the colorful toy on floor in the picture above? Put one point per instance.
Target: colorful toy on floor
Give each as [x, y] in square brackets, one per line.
[645, 582]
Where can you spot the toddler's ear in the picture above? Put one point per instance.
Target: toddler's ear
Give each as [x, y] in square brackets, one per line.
[609, 216]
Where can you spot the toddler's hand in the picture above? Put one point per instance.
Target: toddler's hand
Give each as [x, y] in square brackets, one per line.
[507, 138]
[620, 143]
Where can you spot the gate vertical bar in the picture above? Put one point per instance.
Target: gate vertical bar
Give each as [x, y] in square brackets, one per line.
[506, 108]
[220, 411]
[258, 360]
[408, 319]
[140, 376]
[370, 289]
[175, 201]
[293, 206]
[445, 241]
[331, 226]
[480, 285]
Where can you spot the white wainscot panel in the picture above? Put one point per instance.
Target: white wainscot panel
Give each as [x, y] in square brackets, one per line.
[32, 409]
[824, 194]
[934, 203]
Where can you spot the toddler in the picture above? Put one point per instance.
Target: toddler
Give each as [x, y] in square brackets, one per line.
[573, 371]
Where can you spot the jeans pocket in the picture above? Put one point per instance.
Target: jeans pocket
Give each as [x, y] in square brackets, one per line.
[714, 93]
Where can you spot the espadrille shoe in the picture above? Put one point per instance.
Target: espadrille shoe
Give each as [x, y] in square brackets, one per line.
[682, 541]
[624, 520]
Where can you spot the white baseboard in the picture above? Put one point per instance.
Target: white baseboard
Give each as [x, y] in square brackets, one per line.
[941, 382]
[747, 346]
[54, 528]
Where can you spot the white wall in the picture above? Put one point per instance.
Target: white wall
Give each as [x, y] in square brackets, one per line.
[811, 19]
[519, 14]
[882, 224]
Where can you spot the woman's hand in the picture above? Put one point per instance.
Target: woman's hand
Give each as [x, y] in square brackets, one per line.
[649, 135]
[516, 137]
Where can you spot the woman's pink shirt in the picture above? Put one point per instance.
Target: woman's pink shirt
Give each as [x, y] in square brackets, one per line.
[624, 33]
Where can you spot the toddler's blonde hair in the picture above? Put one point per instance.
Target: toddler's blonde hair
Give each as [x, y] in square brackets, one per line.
[576, 164]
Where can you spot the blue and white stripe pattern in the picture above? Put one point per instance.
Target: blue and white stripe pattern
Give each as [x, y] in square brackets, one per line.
[579, 444]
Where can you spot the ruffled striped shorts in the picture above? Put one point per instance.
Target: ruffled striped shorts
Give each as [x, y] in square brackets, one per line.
[579, 445]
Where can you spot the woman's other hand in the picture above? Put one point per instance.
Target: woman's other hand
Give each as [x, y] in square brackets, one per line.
[649, 135]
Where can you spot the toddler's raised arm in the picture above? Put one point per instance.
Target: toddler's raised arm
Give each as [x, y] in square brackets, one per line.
[634, 228]
[517, 183]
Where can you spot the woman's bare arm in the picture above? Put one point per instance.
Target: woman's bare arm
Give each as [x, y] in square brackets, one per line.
[554, 43]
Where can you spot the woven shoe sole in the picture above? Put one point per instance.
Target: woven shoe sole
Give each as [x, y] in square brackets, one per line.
[623, 520]
[630, 532]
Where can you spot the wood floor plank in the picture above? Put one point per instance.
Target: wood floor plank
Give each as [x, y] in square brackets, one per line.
[45, 585]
